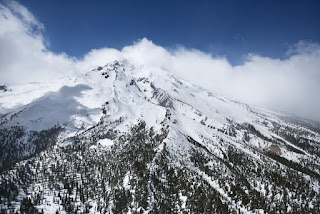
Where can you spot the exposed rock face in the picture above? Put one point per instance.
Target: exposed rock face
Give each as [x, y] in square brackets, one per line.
[162, 97]
[142, 141]
[275, 149]
[3, 88]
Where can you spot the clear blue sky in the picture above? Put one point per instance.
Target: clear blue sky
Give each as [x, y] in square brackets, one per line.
[225, 28]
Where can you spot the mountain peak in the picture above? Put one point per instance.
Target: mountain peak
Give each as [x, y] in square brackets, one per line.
[123, 138]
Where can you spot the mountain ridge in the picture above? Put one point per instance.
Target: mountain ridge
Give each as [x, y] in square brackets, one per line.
[181, 148]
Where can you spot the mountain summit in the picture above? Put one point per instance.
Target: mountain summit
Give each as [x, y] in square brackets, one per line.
[128, 139]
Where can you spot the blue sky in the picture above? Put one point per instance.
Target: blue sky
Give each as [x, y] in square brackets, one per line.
[265, 53]
[224, 28]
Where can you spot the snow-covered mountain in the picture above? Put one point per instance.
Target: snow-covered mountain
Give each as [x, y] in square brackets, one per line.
[127, 139]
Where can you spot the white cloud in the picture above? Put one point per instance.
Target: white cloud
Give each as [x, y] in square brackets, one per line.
[23, 52]
[98, 57]
[290, 84]
[144, 52]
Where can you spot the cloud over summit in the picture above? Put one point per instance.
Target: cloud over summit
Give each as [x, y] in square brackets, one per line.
[291, 84]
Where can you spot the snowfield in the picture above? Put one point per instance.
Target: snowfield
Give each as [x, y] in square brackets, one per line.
[105, 142]
[175, 148]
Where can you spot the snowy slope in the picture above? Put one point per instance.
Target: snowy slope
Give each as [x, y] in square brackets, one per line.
[141, 130]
